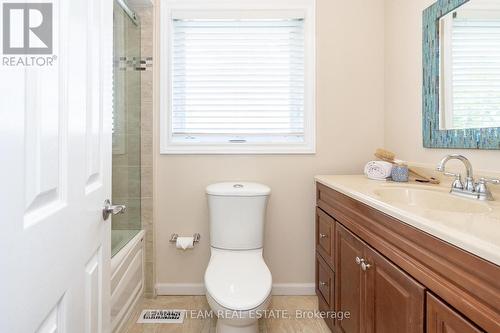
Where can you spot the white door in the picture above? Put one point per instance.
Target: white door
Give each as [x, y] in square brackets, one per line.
[55, 172]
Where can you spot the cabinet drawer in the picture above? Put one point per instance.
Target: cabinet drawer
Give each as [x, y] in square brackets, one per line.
[324, 282]
[443, 319]
[325, 236]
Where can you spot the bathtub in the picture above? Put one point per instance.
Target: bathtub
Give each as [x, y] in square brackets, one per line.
[127, 278]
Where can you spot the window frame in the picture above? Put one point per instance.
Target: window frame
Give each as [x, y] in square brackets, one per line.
[240, 9]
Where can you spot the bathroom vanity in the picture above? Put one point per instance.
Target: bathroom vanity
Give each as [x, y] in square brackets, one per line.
[402, 260]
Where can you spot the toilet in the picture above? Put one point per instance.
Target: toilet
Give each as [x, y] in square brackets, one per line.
[237, 280]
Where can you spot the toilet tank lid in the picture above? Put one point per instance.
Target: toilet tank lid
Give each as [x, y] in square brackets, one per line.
[238, 189]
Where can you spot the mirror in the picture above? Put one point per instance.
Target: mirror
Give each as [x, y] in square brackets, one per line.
[470, 66]
[461, 65]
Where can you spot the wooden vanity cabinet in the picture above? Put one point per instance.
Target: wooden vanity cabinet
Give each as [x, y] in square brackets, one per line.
[394, 278]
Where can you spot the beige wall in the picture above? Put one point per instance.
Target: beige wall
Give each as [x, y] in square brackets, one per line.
[403, 88]
[350, 110]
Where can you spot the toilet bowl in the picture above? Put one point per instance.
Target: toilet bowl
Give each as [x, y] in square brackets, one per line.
[237, 280]
[238, 285]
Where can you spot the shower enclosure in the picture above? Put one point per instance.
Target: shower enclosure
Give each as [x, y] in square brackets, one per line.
[126, 184]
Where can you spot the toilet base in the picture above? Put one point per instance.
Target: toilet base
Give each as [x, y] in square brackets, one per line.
[241, 322]
[231, 326]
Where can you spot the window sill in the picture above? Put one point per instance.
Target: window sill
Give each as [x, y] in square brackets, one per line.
[238, 149]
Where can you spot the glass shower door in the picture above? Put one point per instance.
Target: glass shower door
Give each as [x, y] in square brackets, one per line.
[126, 183]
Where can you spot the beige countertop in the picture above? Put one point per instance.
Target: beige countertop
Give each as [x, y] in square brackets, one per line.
[471, 225]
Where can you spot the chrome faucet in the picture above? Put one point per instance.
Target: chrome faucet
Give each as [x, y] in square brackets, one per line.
[470, 188]
[457, 184]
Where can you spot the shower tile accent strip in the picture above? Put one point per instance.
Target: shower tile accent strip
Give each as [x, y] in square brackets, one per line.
[134, 63]
[145, 65]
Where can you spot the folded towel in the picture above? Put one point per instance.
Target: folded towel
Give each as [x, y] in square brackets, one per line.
[378, 170]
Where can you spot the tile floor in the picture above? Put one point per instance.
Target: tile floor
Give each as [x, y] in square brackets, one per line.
[192, 325]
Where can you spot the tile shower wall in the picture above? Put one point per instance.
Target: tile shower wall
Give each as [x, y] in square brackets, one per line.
[146, 16]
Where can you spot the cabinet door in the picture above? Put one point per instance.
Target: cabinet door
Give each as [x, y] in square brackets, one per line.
[443, 319]
[348, 279]
[394, 300]
[325, 236]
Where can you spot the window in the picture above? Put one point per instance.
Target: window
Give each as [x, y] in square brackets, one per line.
[471, 67]
[238, 81]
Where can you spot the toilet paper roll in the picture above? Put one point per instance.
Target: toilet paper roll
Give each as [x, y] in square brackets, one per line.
[184, 243]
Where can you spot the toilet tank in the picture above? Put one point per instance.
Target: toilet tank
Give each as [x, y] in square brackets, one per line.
[236, 215]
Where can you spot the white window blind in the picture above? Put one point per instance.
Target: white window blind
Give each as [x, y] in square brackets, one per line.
[237, 81]
[475, 72]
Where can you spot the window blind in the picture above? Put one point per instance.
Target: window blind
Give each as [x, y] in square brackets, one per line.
[476, 72]
[237, 80]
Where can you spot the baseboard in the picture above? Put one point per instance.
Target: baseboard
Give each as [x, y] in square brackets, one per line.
[163, 289]
[294, 289]
[279, 289]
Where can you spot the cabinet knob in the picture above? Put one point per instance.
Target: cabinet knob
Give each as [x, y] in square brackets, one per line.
[359, 260]
[365, 266]
[323, 284]
[323, 236]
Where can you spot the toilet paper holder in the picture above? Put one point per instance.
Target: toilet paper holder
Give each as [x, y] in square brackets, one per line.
[196, 238]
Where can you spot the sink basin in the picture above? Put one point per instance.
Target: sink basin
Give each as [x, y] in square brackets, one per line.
[431, 200]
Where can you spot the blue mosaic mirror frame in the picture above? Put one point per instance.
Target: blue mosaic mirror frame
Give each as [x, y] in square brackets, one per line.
[434, 137]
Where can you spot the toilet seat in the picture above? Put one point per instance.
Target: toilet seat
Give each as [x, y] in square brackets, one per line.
[238, 280]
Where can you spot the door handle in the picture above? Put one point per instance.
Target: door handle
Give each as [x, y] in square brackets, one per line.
[110, 209]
